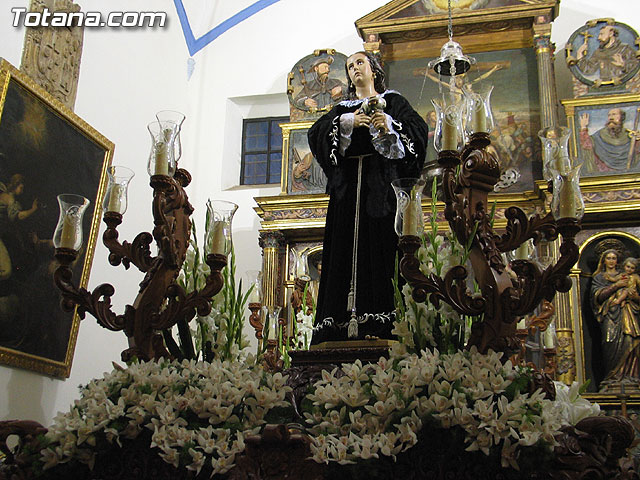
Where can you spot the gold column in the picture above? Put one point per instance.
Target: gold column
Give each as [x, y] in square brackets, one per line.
[271, 243]
[546, 81]
[565, 360]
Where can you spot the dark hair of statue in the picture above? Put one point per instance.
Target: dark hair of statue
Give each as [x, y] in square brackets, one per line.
[379, 83]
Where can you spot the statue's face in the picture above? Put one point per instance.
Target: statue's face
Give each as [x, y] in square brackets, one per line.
[359, 69]
[629, 268]
[323, 69]
[611, 260]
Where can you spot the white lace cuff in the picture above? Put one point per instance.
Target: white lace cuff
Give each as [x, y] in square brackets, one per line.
[388, 145]
[346, 129]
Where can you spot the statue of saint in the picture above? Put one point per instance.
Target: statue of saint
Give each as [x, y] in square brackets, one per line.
[361, 151]
[616, 304]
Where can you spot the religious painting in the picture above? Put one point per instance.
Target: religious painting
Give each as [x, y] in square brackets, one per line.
[435, 7]
[603, 53]
[45, 150]
[608, 328]
[605, 134]
[514, 100]
[316, 83]
[301, 172]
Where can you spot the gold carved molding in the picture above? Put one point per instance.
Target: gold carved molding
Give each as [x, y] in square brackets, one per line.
[51, 55]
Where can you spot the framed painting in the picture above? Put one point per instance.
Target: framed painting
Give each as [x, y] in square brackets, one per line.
[515, 103]
[45, 150]
[603, 53]
[605, 135]
[607, 320]
[301, 173]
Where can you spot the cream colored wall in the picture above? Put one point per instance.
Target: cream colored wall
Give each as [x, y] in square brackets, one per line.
[127, 75]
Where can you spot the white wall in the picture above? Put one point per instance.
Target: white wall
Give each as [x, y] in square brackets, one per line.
[129, 74]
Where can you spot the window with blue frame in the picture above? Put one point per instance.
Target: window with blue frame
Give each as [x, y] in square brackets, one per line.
[261, 150]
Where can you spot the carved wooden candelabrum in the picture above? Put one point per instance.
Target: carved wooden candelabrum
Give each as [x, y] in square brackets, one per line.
[161, 303]
[469, 173]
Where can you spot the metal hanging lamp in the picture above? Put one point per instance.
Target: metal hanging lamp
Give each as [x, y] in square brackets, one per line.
[452, 61]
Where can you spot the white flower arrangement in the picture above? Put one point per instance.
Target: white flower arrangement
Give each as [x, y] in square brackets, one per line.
[378, 409]
[199, 412]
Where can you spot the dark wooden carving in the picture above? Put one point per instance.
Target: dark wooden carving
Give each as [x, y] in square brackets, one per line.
[503, 299]
[255, 320]
[276, 454]
[595, 449]
[161, 302]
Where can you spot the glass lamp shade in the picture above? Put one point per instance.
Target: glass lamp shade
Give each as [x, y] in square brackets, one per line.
[451, 61]
[161, 159]
[409, 219]
[449, 134]
[270, 322]
[478, 115]
[68, 232]
[555, 149]
[177, 118]
[254, 279]
[218, 224]
[115, 199]
[567, 201]
[301, 264]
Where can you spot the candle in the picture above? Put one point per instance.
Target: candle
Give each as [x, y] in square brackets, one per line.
[162, 159]
[69, 232]
[217, 239]
[114, 198]
[549, 338]
[254, 296]
[409, 221]
[272, 328]
[449, 133]
[479, 120]
[301, 268]
[522, 252]
[566, 200]
[271, 323]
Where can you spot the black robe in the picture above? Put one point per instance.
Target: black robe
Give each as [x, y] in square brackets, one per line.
[377, 240]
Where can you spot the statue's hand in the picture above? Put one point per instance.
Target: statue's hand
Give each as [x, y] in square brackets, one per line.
[361, 119]
[379, 120]
[582, 51]
[311, 103]
[617, 60]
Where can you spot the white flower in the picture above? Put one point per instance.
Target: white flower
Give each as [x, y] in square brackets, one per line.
[198, 460]
[571, 407]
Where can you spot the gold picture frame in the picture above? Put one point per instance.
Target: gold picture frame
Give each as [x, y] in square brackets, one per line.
[45, 150]
[597, 110]
[301, 173]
